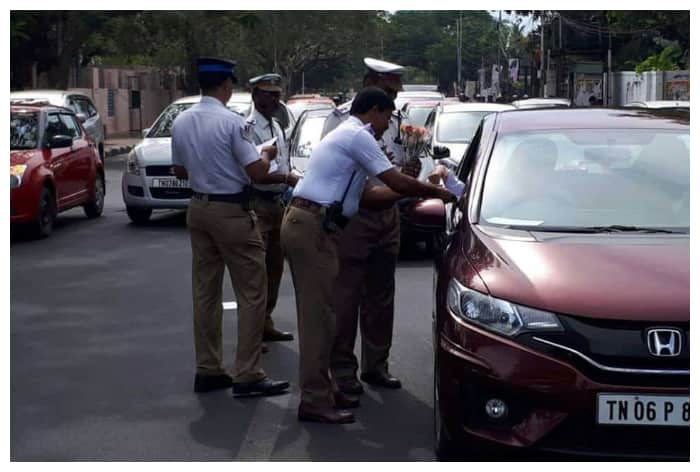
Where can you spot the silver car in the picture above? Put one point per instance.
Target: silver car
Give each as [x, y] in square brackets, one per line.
[81, 104]
[149, 182]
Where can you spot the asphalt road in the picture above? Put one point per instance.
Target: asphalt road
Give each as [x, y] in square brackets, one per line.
[102, 356]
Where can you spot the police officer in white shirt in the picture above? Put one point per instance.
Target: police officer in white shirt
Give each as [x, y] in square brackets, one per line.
[368, 252]
[322, 204]
[213, 147]
[267, 199]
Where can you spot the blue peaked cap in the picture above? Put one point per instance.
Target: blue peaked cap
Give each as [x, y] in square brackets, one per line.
[216, 65]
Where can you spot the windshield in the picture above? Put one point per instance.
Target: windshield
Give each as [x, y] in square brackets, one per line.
[458, 127]
[297, 108]
[416, 116]
[309, 136]
[24, 130]
[590, 178]
[162, 128]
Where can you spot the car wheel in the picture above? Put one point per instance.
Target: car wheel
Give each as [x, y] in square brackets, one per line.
[94, 207]
[139, 215]
[444, 446]
[43, 225]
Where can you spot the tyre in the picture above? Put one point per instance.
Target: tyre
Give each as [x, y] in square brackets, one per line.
[43, 225]
[139, 215]
[94, 207]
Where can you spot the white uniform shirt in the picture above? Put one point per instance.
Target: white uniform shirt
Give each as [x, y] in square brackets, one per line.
[264, 130]
[389, 142]
[213, 144]
[349, 148]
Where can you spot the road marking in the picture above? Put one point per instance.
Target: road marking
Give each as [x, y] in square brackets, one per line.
[265, 427]
[230, 305]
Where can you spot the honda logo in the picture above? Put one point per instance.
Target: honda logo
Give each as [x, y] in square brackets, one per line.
[664, 342]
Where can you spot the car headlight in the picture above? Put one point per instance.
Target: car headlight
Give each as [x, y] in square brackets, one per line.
[16, 175]
[132, 163]
[497, 315]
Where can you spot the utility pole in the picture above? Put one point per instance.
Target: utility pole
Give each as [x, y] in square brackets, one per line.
[542, 55]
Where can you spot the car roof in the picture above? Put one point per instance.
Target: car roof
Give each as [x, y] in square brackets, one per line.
[54, 96]
[659, 104]
[423, 103]
[590, 118]
[419, 93]
[456, 107]
[235, 98]
[37, 106]
[541, 101]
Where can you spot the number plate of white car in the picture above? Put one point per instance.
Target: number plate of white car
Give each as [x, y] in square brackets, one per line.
[651, 410]
[170, 183]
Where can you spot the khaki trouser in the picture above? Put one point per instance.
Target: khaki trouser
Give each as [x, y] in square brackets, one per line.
[313, 260]
[364, 289]
[223, 234]
[270, 213]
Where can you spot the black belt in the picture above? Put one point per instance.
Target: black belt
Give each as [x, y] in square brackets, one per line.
[240, 197]
[271, 196]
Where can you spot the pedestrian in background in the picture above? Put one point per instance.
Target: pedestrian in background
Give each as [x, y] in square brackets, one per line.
[322, 204]
[213, 148]
[268, 199]
[368, 252]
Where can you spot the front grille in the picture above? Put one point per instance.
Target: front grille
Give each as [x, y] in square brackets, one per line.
[617, 344]
[155, 171]
[171, 193]
[581, 434]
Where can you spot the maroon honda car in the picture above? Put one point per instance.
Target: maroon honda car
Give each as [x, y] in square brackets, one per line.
[562, 305]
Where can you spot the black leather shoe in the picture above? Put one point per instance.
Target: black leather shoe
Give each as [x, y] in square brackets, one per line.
[277, 335]
[263, 387]
[207, 383]
[324, 415]
[350, 385]
[381, 379]
[343, 401]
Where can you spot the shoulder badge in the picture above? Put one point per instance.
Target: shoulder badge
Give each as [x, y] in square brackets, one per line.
[247, 132]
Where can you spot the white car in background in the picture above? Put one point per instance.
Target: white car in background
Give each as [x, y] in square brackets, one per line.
[660, 104]
[452, 126]
[79, 103]
[149, 181]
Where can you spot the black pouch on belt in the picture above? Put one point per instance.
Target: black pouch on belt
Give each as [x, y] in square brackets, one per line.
[333, 219]
[247, 195]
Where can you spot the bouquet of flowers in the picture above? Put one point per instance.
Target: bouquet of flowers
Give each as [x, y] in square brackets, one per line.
[414, 140]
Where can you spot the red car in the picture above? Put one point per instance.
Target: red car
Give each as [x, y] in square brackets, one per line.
[54, 166]
[562, 293]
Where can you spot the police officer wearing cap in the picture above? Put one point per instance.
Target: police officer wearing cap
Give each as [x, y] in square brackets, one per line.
[323, 202]
[267, 199]
[213, 148]
[368, 252]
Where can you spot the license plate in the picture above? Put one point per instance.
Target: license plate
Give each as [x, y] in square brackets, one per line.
[651, 410]
[170, 183]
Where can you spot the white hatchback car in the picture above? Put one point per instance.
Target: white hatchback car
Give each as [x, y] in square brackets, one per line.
[149, 182]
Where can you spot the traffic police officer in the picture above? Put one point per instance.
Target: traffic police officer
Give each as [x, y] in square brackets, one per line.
[213, 148]
[267, 199]
[368, 253]
[322, 203]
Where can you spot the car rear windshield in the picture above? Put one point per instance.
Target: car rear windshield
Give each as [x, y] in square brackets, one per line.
[416, 116]
[589, 178]
[24, 130]
[458, 127]
[309, 136]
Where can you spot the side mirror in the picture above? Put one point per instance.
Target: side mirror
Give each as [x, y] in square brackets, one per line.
[440, 152]
[429, 215]
[145, 132]
[81, 117]
[60, 141]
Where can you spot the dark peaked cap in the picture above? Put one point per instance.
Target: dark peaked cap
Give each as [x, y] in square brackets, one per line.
[214, 65]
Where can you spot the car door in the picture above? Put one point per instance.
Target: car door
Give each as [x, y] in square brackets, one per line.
[80, 164]
[59, 159]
